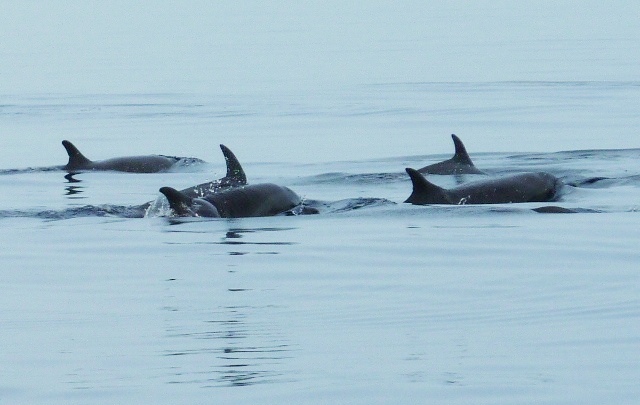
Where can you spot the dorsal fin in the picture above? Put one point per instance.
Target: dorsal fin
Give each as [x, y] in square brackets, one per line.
[424, 192]
[235, 173]
[460, 154]
[179, 202]
[185, 206]
[76, 159]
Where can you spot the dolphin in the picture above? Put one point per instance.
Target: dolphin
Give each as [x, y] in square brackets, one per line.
[460, 163]
[256, 200]
[235, 177]
[515, 188]
[131, 164]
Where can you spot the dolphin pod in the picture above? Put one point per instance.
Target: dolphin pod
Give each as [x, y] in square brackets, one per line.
[131, 164]
[271, 199]
[231, 196]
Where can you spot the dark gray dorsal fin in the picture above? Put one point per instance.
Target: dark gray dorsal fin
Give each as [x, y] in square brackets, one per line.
[76, 159]
[461, 154]
[178, 201]
[235, 173]
[424, 192]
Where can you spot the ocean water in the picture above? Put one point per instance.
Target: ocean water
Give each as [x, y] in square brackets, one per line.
[372, 300]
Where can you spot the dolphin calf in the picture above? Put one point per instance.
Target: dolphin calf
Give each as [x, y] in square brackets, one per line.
[257, 200]
[131, 164]
[516, 188]
[460, 163]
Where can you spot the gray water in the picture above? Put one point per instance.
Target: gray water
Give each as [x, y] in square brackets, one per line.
[372, 300]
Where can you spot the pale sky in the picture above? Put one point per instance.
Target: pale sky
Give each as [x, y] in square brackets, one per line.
[117, 47]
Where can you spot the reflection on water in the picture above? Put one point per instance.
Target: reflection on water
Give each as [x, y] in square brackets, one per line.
[69, 177]
[221, 337]
[72, 190]
[231, 349]
[238, 233]
[234, 237]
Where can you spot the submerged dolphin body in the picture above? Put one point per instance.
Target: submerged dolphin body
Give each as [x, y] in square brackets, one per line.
[460, 163]
[131, 164]
[516, 188]
[257, 200]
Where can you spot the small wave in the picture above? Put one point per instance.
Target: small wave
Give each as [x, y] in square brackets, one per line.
[345, 178]
[347, 205]
[118, 211]
[30, 170]
[185, 163]
[607, 182]
[158, 208]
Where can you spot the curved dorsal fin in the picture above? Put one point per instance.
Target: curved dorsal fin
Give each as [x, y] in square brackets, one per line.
[76, 159]
[460, 154]
[179, 202]
[235, 173]
[424, 192]
[185, 206]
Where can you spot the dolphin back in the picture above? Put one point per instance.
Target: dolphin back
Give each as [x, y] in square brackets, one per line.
[514, 188]
[136, 164]
[131, 164]
[256, 200]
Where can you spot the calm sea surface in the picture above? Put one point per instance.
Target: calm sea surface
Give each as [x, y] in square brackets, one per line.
[371, 301]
